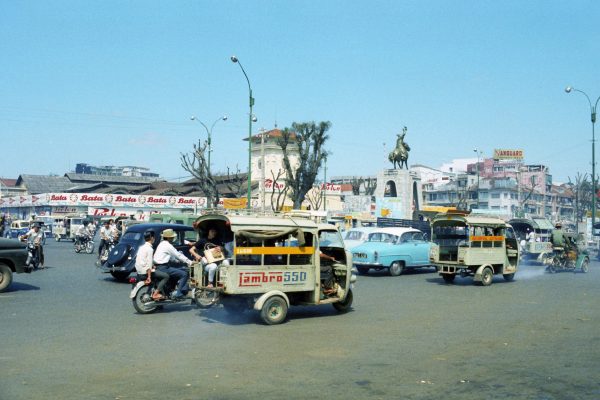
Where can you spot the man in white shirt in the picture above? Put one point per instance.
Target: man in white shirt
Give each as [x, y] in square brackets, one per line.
[166, 256]
[105, 235]
[144, 266]
[36, 236]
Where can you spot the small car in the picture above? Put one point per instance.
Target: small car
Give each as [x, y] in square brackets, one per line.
[19, 228]
[13, 255]
[394, 249]
[355, 236]
[121, 260]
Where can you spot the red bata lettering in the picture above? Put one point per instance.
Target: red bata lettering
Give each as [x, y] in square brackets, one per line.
[156, 200]
[126, 199]
[58, 198]
[258, 278]
[185, 201]
[85, 197]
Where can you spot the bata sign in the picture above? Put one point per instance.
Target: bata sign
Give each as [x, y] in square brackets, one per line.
[505, 154]
[119, 200]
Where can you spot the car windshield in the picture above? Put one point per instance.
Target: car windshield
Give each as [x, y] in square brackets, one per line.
[330, 239]
[131, 237]
[382, 237]
[354, 235]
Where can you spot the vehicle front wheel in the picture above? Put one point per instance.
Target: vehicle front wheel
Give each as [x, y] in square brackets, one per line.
[274, 310]
[509, 277]
[396, 268]
[142, 302]
[448, 278]
[487, 276]
[363, 270]
[89, 247]
[77, 248]
[5, 276]
[344, 306]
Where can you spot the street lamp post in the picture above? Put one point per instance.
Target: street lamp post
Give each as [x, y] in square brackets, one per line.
[209, 133]
[478, 155]
[235, 60]
[570, 89]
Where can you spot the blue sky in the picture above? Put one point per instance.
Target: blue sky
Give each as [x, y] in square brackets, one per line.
[115, 82]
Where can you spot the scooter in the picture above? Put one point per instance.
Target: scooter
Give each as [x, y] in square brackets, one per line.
[85, 244]
[33, 256]
[141, 295]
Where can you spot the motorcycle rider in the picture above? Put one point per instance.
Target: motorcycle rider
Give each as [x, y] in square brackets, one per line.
[105, 237]
[35, 236]
[144, 266]
[559, 239]
[83, 234]
[167, 258]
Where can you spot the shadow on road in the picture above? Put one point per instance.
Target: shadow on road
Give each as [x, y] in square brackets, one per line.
[19, 286]
[408, 271]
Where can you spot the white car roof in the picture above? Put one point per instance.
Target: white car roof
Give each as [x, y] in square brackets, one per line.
[395, 230]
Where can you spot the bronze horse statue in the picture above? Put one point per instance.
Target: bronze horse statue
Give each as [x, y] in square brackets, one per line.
[400, 154]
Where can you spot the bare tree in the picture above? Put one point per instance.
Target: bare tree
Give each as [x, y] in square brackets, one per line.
[310, 138]
[236, 182]
[370, 186]
[356, 184]
[582, 190]
[279, 193]
[195, 163]
[315, 197]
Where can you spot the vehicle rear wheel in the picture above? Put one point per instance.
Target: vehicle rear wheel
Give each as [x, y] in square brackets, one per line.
[487, 276]
[274, 310]
[142, 302]
[396, 268]
[363, 270]
[344, 306]
[585, 266]
[205, 298]
[5, 276]
[89, 247]
[119, 276]
[448, 278]
[509, 277]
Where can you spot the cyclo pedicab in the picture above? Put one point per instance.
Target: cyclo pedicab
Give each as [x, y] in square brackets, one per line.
[475, 246]
[567, 254]
[275, 262]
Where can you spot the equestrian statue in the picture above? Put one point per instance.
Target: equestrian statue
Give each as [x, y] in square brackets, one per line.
[400, 154]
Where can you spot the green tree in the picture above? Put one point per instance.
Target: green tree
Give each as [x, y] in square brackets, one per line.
[310, 139]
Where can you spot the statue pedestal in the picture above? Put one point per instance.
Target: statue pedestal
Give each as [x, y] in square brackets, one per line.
[398, 193]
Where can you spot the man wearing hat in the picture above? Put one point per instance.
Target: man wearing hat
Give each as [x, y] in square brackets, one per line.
[166, 256]
[36, 236]
[558, 238]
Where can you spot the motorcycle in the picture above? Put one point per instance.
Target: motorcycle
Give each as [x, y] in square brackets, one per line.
[572, 260]
[105, 252]
[84, 244]
[33, 256]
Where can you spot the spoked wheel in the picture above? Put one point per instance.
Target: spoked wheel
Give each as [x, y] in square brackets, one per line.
[274, 310]
[89, 247]
[448, 278]
[487, 276]
[205, 298]
[142, 302]
[344, 306]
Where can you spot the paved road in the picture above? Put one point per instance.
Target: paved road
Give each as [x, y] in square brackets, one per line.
[70, 332]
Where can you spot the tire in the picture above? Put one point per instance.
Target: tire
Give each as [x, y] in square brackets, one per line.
[205, 298]
[585, 266]
[363, 270]
[508, 277]
[448, 278]
[487, 276]
[142, 297]
[120, 276]
[89, 247]
[5, 277]
[344, 306]
[77, 248]
[396, 268]
[274, 310]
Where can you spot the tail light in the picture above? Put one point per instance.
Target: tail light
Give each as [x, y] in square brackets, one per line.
[133, 280]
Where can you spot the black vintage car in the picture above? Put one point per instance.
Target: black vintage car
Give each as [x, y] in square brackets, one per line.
[121, 259]
[13, 255]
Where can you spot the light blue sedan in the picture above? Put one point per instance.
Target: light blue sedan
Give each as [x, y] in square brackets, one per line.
[392, 248]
